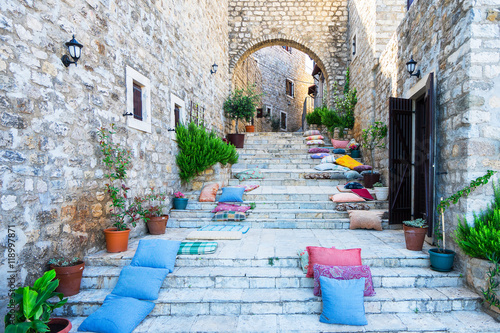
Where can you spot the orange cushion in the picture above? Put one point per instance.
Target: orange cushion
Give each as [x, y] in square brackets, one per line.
[348, 161]
[365, 219]
[339, 143]
[346, 197]
[209, 192]
[332, 257]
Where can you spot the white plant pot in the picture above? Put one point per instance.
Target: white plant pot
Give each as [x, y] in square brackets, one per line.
[382, 193]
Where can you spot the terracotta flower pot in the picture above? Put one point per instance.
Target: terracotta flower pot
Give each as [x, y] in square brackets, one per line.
[69, 278]
[157, 224]
[116, 241]
[59, 325]
[238, 140]
[414, 237]
[250, 128]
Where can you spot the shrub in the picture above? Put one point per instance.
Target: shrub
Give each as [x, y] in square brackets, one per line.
[200, 149]
[418, 223]
[314, 117]
[242, 104]
[482, 239]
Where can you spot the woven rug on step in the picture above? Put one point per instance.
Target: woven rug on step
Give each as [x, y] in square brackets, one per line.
[214, 235]
[219, 227]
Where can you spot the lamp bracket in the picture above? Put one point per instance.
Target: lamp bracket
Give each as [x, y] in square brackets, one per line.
[127, 114]
[417, 74]
[66, 61]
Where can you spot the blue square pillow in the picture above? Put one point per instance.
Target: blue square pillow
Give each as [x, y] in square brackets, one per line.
[117, 315]
[343, 301]
[232, 194]
[140, 282]
[339, 151]
[156, 253]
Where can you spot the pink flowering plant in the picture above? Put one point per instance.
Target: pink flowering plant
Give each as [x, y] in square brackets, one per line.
[179, 195]
[354, 146]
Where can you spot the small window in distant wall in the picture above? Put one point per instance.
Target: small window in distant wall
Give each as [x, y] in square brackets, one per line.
[138, 100]
[283, 121]
[268, 111]
[177, 111]
[260, 113]
[408, 2]
[287, 48]
[290, 88]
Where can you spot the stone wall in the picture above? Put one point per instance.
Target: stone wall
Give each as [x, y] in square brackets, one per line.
[318, 28]
[51, 175]
[455, 40]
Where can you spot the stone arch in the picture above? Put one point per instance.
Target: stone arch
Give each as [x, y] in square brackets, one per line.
[267, 41]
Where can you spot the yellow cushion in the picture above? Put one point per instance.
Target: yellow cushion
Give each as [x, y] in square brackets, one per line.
[348, 161]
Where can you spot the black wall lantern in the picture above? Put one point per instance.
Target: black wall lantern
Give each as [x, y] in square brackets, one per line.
[75, 51]
[214, 68]
[410, 66]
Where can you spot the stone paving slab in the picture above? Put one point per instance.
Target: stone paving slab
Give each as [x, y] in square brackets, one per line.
[452, 322]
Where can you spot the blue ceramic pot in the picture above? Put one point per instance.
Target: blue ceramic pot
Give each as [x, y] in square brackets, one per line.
[180, 203]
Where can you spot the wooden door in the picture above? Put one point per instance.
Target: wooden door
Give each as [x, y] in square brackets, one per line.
[400, 168]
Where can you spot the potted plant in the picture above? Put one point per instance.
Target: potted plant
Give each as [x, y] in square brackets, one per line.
[151, 207]
[355, 152]
[381, 192]
[373, 137]
[440, 257]
[69, 274]
[415, 231]
[179, 201]
[117, 159]
[241, 105]
[30, 308]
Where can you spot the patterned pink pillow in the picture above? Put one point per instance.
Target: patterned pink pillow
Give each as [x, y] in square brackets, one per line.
[343, 273]
[339, 143]
[222, 207]
[316, 150]
[315, 137]
[248, 187]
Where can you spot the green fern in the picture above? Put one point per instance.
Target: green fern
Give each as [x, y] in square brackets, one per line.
[200, 149]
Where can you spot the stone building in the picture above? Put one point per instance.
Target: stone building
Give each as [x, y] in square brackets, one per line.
[52, 188]
[282, 75]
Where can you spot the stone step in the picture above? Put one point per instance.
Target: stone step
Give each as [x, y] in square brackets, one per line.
[273, 223]
[288, 182]
[263, 213]
[284, 173]
[280, 204]
[451, 322]
[241, 301]
[285, 151]
[253, 196]
[270, 164]
[272, 277]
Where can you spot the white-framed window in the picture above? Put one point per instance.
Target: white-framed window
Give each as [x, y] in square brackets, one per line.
[283, 120]
[354, 47]
[268, 111]
[138, 100]
[290, 89]
[177, 111]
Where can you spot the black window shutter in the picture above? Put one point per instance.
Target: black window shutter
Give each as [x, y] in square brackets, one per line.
[137, 102]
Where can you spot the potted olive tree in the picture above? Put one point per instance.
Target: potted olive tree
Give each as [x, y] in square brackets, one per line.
[30, 308]
[241, 105]
[117, 159]
[415, 231]
[373, 137]
[69, 273]
[442, 258]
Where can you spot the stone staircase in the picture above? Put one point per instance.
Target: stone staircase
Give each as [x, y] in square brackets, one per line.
[255, 284]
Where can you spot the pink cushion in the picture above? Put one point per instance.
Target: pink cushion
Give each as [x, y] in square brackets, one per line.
[343, 273]
[339, 144]
[361, 168]
[222, 207]
[318, 150]
[332, 257]
[346, 197]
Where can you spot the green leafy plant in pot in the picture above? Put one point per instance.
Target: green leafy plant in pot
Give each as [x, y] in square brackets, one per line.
[373, 137]
[151, 206]
[117, 159]
[30, 308]
[415, 231]
[241, 105]
[441, 258]
[69, 273]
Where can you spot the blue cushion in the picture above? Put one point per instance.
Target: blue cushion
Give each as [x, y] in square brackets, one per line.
[339, 151]
[117, 315]
[232, 194]
[140, 282]
[156, 253]
[353, 185]
[350, 175]
[343, 301]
